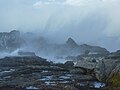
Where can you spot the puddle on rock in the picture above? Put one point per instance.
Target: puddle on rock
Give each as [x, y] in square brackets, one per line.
[46, 78]
[92, 84]
[32, 88]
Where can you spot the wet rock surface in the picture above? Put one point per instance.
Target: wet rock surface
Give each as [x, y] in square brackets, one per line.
[105, 69]
[35, 73]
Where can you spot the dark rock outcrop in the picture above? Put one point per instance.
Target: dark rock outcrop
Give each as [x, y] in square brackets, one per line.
[22, 61]
[22, 53]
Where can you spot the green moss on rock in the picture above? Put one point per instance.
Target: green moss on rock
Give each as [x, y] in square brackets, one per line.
[114, 80]
[114, 77]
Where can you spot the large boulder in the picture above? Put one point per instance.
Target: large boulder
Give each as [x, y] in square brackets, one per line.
[106, 66]
[86, 64]
[101, 67]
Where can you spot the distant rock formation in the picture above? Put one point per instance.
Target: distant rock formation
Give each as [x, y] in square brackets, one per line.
[10, 41]
[93, 49]
[71, 43]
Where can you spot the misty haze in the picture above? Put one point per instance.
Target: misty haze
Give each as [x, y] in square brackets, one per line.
[59, 45]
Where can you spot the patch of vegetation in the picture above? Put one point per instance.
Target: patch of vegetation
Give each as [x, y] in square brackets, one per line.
[115, 80]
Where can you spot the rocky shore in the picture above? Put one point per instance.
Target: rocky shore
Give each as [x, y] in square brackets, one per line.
[35, 73]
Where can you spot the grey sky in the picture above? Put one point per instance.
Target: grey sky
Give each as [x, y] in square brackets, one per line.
[87, 21]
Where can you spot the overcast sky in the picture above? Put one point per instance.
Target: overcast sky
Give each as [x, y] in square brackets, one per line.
[96, 22]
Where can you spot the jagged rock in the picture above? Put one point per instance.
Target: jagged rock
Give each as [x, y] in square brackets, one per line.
[10, 41]
[71, 43]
